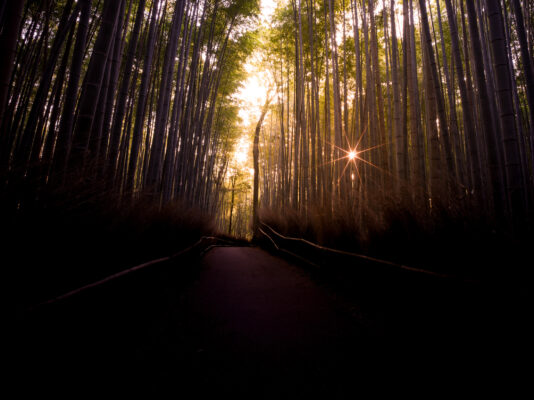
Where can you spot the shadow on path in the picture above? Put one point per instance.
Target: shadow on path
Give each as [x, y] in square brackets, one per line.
[242, 323]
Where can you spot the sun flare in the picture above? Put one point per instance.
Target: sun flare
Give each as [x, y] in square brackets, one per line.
[352, 155]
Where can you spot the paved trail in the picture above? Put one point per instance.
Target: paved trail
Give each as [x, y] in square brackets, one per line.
[261, 323]
[238, 323]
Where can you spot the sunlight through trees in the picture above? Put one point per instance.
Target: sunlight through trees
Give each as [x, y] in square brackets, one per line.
[427, 101]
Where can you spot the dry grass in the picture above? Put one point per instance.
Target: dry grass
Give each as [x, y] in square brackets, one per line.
[61, 237]
[460, 239]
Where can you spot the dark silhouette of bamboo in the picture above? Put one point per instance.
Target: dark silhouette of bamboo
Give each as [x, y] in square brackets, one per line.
[11, 21]
[120, 109]
[514, 177]
[67, 119]
[255, 155]
[81, 150]
[141, 104]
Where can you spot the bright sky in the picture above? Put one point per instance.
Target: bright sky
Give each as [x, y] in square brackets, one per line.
[241, 150]
[254, 91]
[267, 10]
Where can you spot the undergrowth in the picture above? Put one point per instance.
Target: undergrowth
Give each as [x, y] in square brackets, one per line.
[461, 239]
[60, 237]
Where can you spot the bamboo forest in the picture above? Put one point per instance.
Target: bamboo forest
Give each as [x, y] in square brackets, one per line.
[396, 132]
[430, 102]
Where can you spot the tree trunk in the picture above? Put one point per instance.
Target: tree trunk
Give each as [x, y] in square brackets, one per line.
[495, 189]
[120, 108]
[443, 125]
[255, 156]
[503, 77]
[165, 91]
[12, 15]
[528, 70]
[469, 127]
[93, 82]
[67, 119]
[137, 134]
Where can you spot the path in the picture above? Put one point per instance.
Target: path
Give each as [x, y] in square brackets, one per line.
[261, 324]
[242, 323]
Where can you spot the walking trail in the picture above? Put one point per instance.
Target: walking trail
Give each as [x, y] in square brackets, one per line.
[238, 323]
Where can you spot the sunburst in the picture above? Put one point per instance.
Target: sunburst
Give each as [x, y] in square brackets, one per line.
[353, 156]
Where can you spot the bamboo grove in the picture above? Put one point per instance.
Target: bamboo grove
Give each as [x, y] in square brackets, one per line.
[380, 99]
[133, 93]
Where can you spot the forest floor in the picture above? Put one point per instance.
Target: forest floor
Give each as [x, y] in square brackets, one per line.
[241, 322]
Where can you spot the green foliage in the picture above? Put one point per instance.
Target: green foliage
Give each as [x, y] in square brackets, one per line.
[241, 8]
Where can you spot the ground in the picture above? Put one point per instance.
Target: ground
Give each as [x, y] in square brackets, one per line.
[241, 322]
